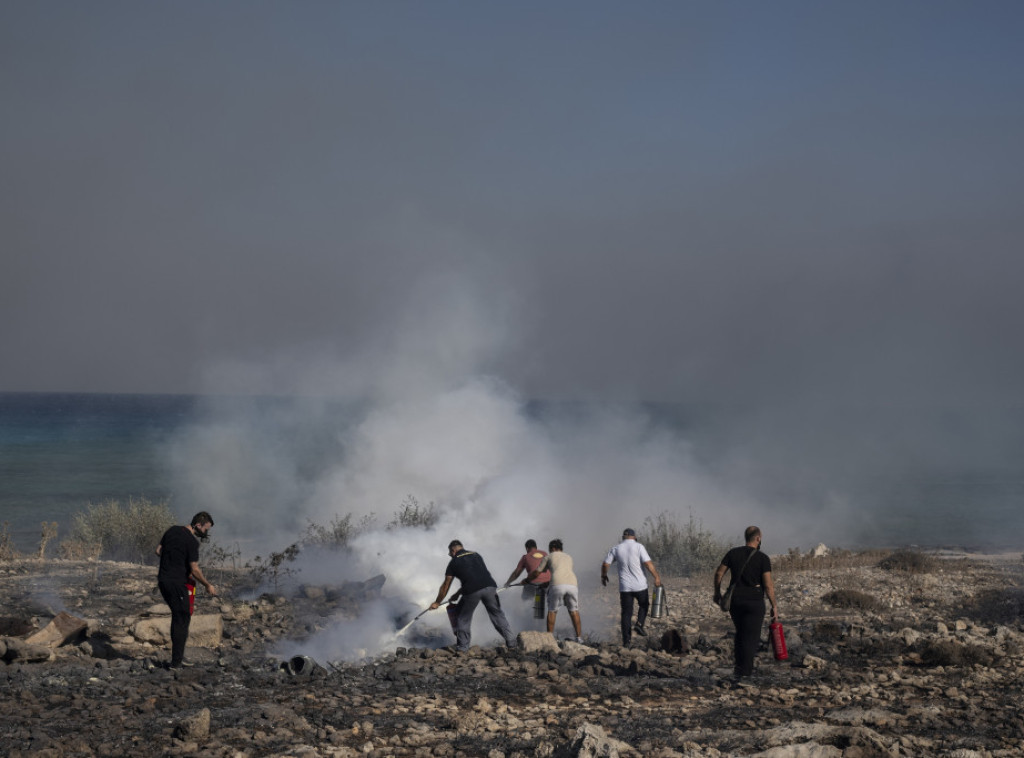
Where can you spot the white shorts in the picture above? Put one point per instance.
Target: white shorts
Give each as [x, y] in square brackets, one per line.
[567, 595]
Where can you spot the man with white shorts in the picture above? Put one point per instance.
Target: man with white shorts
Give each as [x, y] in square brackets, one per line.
[564, 589]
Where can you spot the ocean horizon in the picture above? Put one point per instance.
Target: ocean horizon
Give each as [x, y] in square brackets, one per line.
[61, 452]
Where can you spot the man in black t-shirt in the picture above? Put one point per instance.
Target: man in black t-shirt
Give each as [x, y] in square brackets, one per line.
[179, 567]
[477, 587]
[751, 573]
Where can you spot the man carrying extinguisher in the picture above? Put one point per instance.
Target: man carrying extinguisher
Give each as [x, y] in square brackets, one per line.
[751, 581]
[179, 569]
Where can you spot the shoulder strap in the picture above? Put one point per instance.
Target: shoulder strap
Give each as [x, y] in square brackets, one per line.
[735, 579]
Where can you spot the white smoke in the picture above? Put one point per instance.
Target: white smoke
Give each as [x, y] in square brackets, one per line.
[435, 426]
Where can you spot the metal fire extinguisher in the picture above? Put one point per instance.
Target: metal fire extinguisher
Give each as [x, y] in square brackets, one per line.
[658, 607]
[778, 641]
[538, 601]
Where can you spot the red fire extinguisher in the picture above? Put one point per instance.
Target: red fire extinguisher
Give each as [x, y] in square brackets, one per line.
[191, 598]
[778, 641]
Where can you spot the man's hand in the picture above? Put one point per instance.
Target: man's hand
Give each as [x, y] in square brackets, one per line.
[434, 606]
[604, 580]
[211, 589]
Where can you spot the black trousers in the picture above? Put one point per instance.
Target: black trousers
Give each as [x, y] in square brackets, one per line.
[626, 603]
[748, 618]
[176, 597]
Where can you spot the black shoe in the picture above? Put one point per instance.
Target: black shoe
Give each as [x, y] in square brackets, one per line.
[181, 665]
[639, 630]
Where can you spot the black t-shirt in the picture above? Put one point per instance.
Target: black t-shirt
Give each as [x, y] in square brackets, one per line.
[749, 583]
[469, 568]
[178, 551]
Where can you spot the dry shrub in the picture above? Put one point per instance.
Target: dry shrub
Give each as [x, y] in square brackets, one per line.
[846, 598]
[681, 548]
[411, 514]
[7, 551]
[951, 653]
[999, 606]
[909, 561]
[833, 560]
[828, 631]
[76, 549]
[120, 532]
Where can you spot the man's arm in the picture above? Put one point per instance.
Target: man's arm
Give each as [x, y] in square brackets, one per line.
[442, 592]
[654, 572]
[718, 581]
[158, 549]
[194, 570]
[769, 590]
[604, 574]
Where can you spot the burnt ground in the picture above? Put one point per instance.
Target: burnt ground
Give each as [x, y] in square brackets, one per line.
[882, 663]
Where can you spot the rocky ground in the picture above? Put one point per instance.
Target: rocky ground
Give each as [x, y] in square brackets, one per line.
[883, 661]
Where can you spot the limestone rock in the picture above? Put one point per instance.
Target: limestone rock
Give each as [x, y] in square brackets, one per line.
[194, 727]
[62, 629]
[591, 741]
[535, 642]
[206, 630]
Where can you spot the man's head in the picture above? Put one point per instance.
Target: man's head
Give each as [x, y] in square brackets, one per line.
[555, 545]
[628, 534]
[454, 546]
[201, 524]
[531, 545]
[752, 535]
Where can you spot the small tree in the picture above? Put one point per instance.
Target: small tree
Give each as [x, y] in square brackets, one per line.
[49, 531]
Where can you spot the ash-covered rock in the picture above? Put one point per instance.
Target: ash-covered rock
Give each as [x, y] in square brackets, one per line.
[927, 669]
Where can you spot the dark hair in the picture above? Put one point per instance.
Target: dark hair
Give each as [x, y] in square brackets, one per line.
[531, 544]
[555, 544]
[202, 518]
[750, 533]
[454, 543]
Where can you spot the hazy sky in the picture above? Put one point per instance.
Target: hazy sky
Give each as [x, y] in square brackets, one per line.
[738, 202]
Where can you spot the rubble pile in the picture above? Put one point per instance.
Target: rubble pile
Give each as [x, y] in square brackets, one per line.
[934, 665]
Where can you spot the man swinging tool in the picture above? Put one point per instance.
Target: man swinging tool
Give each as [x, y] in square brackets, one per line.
[478, 586]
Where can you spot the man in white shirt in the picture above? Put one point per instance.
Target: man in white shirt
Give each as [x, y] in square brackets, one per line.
[632, 558]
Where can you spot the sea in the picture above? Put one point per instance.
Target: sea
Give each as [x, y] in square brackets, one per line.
[59, 453]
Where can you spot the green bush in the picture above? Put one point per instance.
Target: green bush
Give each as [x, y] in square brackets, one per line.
[681, 549]
[119, 532]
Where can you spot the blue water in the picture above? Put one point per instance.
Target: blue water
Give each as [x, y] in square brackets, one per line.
[61, 452]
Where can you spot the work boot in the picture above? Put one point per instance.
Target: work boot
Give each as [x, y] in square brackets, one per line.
[639, 630]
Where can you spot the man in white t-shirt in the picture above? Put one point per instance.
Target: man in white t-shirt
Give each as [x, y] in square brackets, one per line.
[632, 558]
